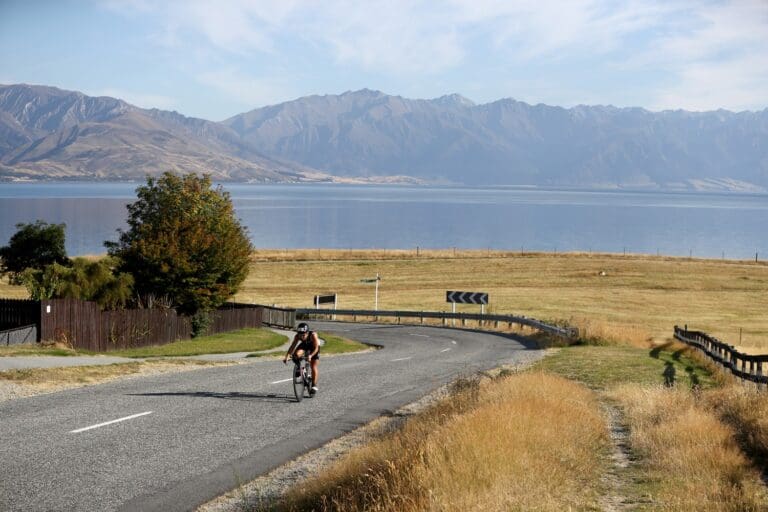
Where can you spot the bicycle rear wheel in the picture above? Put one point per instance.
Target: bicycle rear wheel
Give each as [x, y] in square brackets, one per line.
[298, 381]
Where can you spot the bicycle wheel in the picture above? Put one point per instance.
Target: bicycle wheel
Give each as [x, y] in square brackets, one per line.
[308, 380]
[298, 381]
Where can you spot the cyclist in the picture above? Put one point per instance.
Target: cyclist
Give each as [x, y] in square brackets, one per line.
[305, 343]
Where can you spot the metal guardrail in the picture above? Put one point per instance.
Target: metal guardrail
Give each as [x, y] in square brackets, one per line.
[744, 366]
[19, 335]
[563, 332]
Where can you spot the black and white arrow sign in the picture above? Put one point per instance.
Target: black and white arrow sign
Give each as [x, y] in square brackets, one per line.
[467, 297]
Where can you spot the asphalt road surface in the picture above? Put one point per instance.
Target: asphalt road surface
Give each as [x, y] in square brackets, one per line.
[174, 441]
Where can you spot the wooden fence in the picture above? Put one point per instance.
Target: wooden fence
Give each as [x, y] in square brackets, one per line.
[17, 313]
[744, 366]
[83, 325]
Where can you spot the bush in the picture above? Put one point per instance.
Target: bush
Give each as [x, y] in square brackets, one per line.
[33, 246]
[184, 242]
[85, 280]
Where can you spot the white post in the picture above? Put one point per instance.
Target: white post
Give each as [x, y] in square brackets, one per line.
[335, 298]
[453, 310]
[376, 303]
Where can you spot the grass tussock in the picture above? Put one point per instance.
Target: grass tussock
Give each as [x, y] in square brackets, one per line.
[529, 441]
[690, 457]
[745, 409]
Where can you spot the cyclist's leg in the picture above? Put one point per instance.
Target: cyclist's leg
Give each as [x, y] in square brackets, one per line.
[313, 364]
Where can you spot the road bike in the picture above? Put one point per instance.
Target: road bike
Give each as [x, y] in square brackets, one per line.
[302, 378]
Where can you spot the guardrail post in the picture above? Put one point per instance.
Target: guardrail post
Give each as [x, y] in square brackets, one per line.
[760, 374]
[444, 321]
[463, 322]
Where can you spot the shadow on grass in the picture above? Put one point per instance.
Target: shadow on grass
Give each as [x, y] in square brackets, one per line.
[670, 372]
[232, 395]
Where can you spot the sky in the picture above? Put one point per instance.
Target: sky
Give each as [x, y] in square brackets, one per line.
[216, 59]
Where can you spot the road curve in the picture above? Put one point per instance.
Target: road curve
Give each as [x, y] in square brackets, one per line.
[174, 441]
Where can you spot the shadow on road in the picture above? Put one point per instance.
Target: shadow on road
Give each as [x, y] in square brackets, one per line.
[233, 395]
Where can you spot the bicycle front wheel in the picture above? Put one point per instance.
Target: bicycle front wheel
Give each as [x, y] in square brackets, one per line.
[298, 382]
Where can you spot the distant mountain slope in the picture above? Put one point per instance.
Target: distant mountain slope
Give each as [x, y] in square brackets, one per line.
[450, 139]
[50, 133]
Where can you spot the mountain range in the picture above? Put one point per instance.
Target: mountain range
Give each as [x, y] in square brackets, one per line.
[369, 136]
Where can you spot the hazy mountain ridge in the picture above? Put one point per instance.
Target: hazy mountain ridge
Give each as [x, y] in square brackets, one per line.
[48, 133]
[369, 136]
[508, 142]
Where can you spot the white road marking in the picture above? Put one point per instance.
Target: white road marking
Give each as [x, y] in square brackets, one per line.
[445, 350]
[420, 335]
[402, 359]
[453, 341]
[109, 422]
[281, 381]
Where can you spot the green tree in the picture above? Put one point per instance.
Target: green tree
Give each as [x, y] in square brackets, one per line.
[34, 246]
[84, 279]
[184, 242]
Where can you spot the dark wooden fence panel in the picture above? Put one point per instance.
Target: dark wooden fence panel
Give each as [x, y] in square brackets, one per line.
[141, 327]
[233, 316]
[18, 313]
[82, 325]
[71, 321]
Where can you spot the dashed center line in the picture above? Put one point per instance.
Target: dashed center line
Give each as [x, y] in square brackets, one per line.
[402, 359]
[281, 381]
[445, 350]
[109, 422]
[420, 335]
[453, 341]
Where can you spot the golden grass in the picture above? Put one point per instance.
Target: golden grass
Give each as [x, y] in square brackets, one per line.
[690, 457]
[745, 409]
[527, 442]
[638, 297]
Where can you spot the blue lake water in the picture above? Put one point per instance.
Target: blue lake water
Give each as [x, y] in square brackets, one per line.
[389, 217]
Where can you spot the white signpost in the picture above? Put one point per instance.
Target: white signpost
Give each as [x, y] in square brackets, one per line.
[376, 293]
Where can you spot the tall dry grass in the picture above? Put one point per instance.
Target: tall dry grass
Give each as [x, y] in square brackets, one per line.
[527, 442]
[690, 457]
[745, 409]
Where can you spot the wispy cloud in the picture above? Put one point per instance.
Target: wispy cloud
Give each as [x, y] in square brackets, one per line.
[681, 41]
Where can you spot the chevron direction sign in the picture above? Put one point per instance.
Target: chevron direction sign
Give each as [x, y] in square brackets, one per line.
[466, 297]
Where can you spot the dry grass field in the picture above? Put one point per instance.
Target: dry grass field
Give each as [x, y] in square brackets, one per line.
[527, 442]
[613, 296]
[619, 296]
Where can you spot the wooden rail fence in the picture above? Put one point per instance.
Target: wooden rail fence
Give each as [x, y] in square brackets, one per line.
[744, 366]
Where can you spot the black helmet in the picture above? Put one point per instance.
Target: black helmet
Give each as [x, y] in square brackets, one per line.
[302, 327]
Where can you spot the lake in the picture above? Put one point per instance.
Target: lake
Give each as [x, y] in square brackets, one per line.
[399, 217]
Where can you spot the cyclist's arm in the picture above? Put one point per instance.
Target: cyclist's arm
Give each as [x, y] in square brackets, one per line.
[294, 343]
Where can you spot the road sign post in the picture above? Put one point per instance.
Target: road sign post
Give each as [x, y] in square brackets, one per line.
[325, 299]
[376, 293]
[467, 298]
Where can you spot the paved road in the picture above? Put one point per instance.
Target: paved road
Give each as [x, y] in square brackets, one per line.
[185, 438]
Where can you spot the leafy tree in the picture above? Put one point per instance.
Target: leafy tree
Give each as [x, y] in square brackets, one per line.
[184, 242]
[84, 279]
[33, 246]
